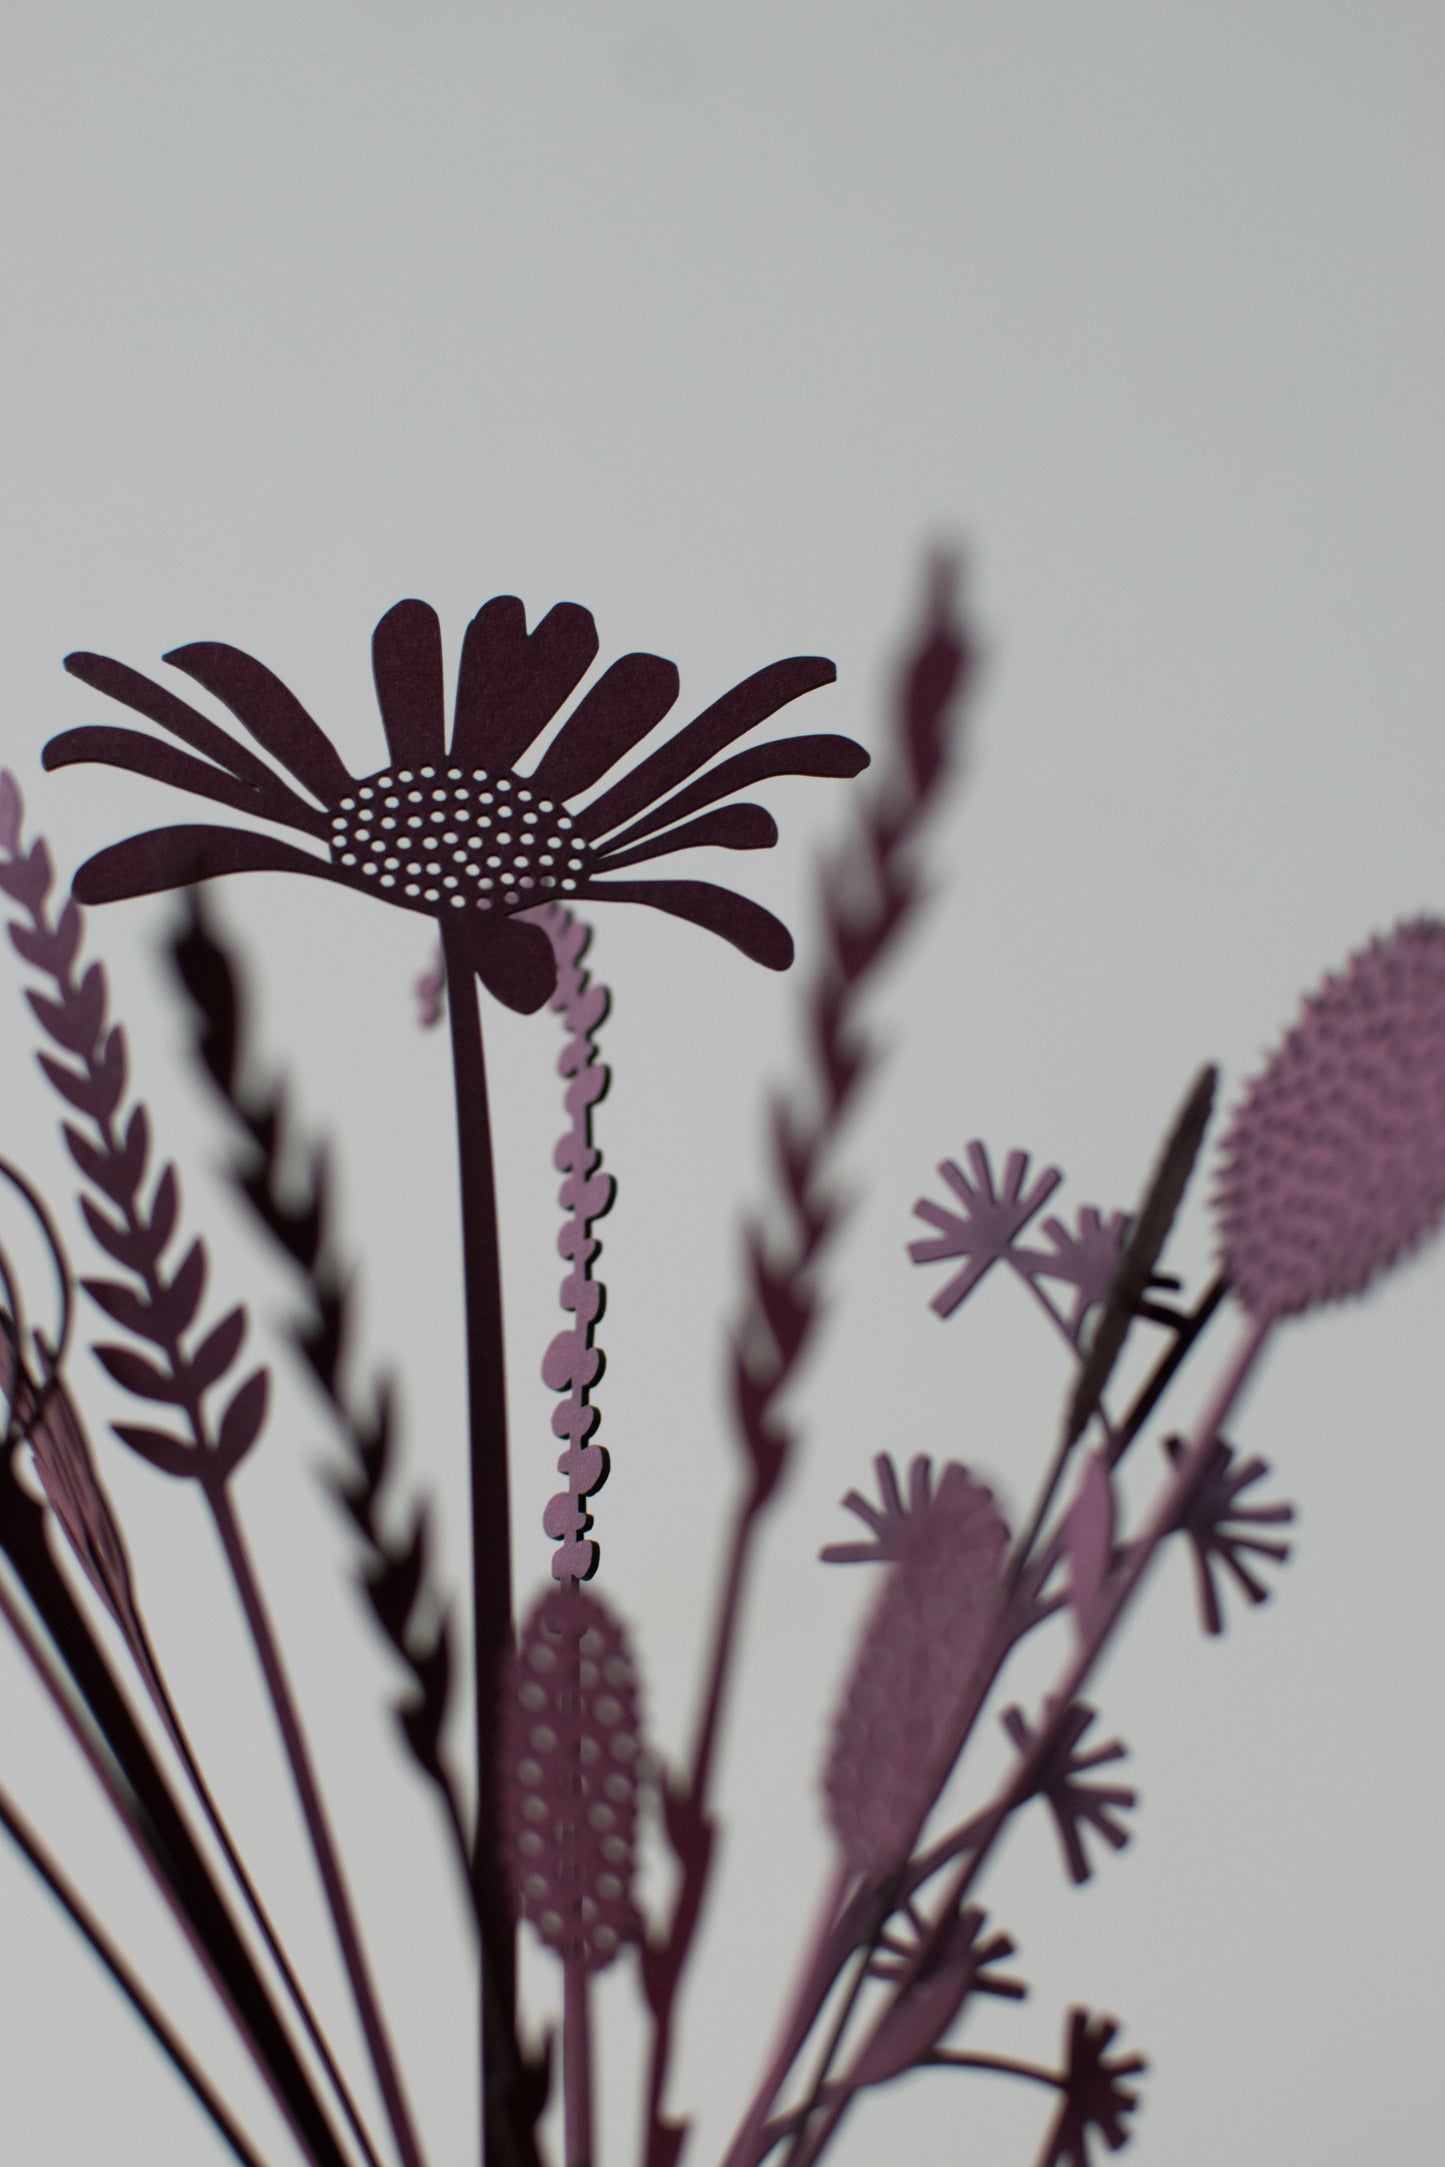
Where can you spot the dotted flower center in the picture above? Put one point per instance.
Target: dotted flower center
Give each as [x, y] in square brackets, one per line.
[458, 836]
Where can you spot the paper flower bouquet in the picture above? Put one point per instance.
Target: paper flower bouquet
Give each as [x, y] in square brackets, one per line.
[512, 801]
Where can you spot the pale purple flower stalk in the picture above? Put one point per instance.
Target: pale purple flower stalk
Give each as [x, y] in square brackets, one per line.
[573, 1362]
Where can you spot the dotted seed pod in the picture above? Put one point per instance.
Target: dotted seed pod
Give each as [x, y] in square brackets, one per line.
[571, 1753]
[916, 1661]
[1334, 1164]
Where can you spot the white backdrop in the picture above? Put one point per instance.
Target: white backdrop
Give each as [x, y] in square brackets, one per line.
[714, 320]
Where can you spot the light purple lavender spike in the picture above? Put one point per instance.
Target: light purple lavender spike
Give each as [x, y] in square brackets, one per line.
[572, 1363]
[1333, 1167]
[989, 1224]
[916, 1661]
[571, 1757]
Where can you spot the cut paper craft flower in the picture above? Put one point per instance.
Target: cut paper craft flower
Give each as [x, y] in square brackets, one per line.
[989, 1224]
[1073, 1802]
[571, 1759]
[1220, 1529]
[1094, 2097]
[1334, 1165]
[453, 831]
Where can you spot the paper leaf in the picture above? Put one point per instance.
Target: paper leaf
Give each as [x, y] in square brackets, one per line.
[136, 1374]
[241, 1423]
[172, 1455]
[1136, 1267]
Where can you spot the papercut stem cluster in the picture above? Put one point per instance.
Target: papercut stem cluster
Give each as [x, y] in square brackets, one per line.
[550, 1793]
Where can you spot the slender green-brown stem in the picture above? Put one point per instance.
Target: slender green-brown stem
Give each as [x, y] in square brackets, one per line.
[492, 1626]
[146, 2008]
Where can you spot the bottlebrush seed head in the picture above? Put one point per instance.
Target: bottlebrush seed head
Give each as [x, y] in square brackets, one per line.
[571, 1749]
[915, 1664]
[1333, 1167]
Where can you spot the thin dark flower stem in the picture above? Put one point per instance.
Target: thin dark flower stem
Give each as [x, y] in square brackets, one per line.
[1173, 1498]
[822, 2089]
[134, 1821]
[818, 1978]
[1001, 2065]
[1169, 1364]
[787, 2125]
[317, 1824]
[492, 1622]
[576, 2063]
[1119, 1440]
[146, 2008]
[170, 1717]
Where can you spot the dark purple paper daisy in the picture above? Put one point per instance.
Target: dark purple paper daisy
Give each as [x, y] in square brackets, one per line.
[452, 830]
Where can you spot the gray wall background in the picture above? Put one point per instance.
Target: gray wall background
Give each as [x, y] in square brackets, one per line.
[715, 319]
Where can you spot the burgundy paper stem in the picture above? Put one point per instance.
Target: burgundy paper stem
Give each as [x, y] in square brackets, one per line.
[576, 2063]
[105, 1777]
[318, 1827]
[1024, 1776]
[492, 1627]
[166, 1709]
[149, 2011]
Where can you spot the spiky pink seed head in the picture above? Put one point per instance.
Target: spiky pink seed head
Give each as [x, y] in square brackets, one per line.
[1333, 1167]
[570, 1762]
[915, 1664]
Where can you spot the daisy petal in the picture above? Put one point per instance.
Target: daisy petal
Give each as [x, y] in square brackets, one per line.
[406, 661]
[732, 827]
[742, 709]
[514, 961]
[746, 924]
[510, 685]
[627, 701]
[149, 756]
[174, 857]
[821, 755]
[270, 711]
[119, 682]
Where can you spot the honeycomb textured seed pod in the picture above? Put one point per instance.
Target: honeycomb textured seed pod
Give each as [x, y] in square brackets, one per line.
[916, 1662]
[1333, 1166]
[571, 1760]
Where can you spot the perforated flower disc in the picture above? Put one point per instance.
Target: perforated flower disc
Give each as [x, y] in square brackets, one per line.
[1334, 1164]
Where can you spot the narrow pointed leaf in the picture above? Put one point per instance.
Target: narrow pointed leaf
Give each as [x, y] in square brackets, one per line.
[1142, 1252]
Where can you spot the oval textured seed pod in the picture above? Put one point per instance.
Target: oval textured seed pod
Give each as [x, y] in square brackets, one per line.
[1333, 1166]
[570, 1763]
[915, 1664]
